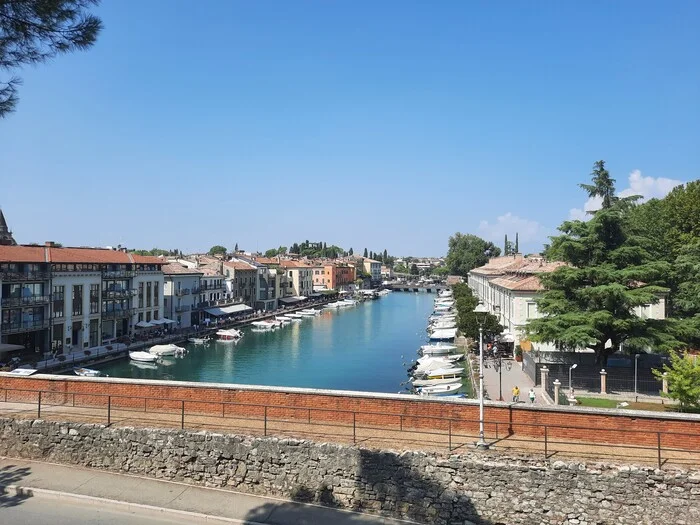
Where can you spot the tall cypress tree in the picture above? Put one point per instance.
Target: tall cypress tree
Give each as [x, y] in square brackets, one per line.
[517, 248]
[365, 254]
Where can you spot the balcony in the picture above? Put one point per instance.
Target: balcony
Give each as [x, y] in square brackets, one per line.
[183, 308]
[8, 302]
[117, 314]
[196, 289]
[118, 294]
[118, 274]
[23, 276]
[182, 291]
[27, 326]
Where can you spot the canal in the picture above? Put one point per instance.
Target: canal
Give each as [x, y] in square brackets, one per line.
[357, 348]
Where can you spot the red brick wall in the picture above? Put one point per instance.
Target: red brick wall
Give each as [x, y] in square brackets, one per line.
[390, 412]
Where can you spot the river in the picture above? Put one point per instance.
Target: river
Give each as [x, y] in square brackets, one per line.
[358, 348]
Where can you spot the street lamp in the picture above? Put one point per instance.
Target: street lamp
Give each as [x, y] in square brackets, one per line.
[571, 390]
[480, 312]
[636, 357]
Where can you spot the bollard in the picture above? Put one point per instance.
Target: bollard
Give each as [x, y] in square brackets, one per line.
[557, 385]
[603, 381]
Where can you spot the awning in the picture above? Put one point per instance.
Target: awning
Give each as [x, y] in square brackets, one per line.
[144, 324]
[168, 321]
[9, 348]
[227, 310]
[157, 321]
[291, 300]
[506, 337]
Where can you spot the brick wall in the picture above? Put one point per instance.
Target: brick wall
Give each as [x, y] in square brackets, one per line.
[381, 410]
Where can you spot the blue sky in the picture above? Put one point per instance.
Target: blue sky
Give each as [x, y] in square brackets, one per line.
[386, 124]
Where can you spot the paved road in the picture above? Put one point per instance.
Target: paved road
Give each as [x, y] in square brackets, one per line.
[511, 375]
[38, 510]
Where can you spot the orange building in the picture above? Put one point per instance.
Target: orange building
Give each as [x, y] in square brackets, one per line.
[334, 276]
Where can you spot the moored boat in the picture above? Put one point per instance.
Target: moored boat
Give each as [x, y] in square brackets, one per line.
[228, 336]
[87, 372]
[144, 357]
[444, 389]
[447, 334]
[169, 349]
[198, 341]
[437, 349]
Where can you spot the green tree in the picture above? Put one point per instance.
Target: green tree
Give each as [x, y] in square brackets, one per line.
[468, 251]
[414, 269]
[271, 253]
[365, 253]
[467, 322]
[683, 378]
[235, 248]
[34, 31]
[217, 250]
[350, 252]
[295, 249]
[505, 245]
[590, 303]
[385, 258]
[517, 248]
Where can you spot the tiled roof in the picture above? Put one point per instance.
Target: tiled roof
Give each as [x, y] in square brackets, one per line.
[239, 265]
[210, 272]
[294, 264]
[177, 268]
[520, 283]
[517, 264]
[42, 254]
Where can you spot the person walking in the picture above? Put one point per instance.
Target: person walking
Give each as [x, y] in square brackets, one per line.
[516, 394]
[531, 395]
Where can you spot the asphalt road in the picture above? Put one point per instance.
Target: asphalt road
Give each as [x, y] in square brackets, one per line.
[44, 511]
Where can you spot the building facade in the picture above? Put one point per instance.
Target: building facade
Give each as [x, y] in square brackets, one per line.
[374, 269]
[300, 278]
[241, 281]
[181, 294]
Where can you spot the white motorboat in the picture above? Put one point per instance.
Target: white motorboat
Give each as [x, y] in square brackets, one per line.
[282, 319]
[265, 325]
[143, 365]
[430, 382]
[294, 315]
[442, 308]
[437, 349]
[442, 373]
[143, 357]
[169, 349]
[228, 336]
[442, 325]
[432, 363]
[309, 313]
[347, 302]
[87, 372]
[331, 306]
[447, 388]
[447, 334]
[198, 341]
[444, 302]
[451, 358]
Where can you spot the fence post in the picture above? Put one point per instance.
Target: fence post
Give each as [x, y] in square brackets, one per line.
[109, 410]
[557, 385]
[182, 417]
[265, 423]
[603, 381]
[658, 447]
[545, 443]
[544, 376]
[38, 407]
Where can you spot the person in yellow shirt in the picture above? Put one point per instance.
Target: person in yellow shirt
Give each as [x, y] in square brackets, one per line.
[516, 394]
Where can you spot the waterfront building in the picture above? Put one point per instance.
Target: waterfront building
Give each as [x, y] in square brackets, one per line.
[181, 294]
[300, 278]
[59, 300]
[334, 276]
[241, 280]
[387, 272]
[374, 269]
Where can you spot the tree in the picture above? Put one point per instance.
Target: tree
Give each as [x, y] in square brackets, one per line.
[385, 259]
[517, 248]
[365, 253]
[350, 252]
[467, 322]
[505, 245]
[591, 301]
[603, 185]
[295, 249]
[468, 251]
[683, 378]
[217, 250]
[34, 31]
[271, 253]
[235, 248]
[414, 269]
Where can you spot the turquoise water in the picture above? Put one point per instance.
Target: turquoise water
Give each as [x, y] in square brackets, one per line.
[358, 348]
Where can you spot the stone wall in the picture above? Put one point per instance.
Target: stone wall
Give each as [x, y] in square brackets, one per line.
[483, 487]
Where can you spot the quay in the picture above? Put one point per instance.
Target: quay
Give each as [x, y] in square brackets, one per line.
[430, 288]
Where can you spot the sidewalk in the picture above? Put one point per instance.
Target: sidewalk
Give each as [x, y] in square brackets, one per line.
[168, 497]
[510, 378]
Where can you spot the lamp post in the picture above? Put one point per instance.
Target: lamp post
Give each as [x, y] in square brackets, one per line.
[571, 390]
[480, 312]
[636, 358]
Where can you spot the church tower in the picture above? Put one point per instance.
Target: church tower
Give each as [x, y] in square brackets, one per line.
[5, 233]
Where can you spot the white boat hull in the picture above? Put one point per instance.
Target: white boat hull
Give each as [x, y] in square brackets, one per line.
[143, 357]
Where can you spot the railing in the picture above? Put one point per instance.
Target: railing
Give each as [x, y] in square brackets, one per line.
[24, 276]
[454, 432]
[183, 308]
[117, 314]
[118, 294]
[196, 289]
[24, 301]
[182, 291]
[118, 274]
[13, 328]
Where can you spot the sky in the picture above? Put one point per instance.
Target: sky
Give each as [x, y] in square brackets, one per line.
[381, 124]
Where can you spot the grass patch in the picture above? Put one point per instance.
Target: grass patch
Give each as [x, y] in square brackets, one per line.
[599, 402]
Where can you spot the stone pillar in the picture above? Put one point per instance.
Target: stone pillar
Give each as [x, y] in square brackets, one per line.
[664, 383]
[557, 385]
[544, 376]
[603, 381]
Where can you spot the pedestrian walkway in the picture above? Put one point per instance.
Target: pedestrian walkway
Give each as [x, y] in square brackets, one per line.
[511, 375]
[191, 503]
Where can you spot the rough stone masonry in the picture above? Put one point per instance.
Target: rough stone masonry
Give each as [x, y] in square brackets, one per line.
[485, 488]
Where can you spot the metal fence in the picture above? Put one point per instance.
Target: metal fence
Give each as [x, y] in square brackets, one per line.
[452, 433]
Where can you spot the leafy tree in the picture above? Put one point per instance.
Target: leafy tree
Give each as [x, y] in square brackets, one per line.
[683, 378]
[350, 252]
[217, 250]
[365, 253]
[591, 302]
[441, 271]
[34, 31]
[295, 249]
[467, 252]
[414, 269]
[467, 322]
[271, 253]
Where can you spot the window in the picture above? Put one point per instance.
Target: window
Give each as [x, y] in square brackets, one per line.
[78, 299]
[148, 294]
[140, 295]
[94, 332]
[531, 310]
[155, 294]
[155, 314]
[57, 339]
[58, 303]
[140, 317]
[148, 317]
[94, 299]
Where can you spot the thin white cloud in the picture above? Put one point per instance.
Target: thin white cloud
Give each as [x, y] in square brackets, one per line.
[530, 233]
[647, 187]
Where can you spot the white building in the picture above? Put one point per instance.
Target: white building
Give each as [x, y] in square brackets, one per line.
[181, 294]
[374, 269]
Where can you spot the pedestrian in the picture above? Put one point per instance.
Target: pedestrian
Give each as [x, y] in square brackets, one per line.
[516, 394]
[531, 395]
